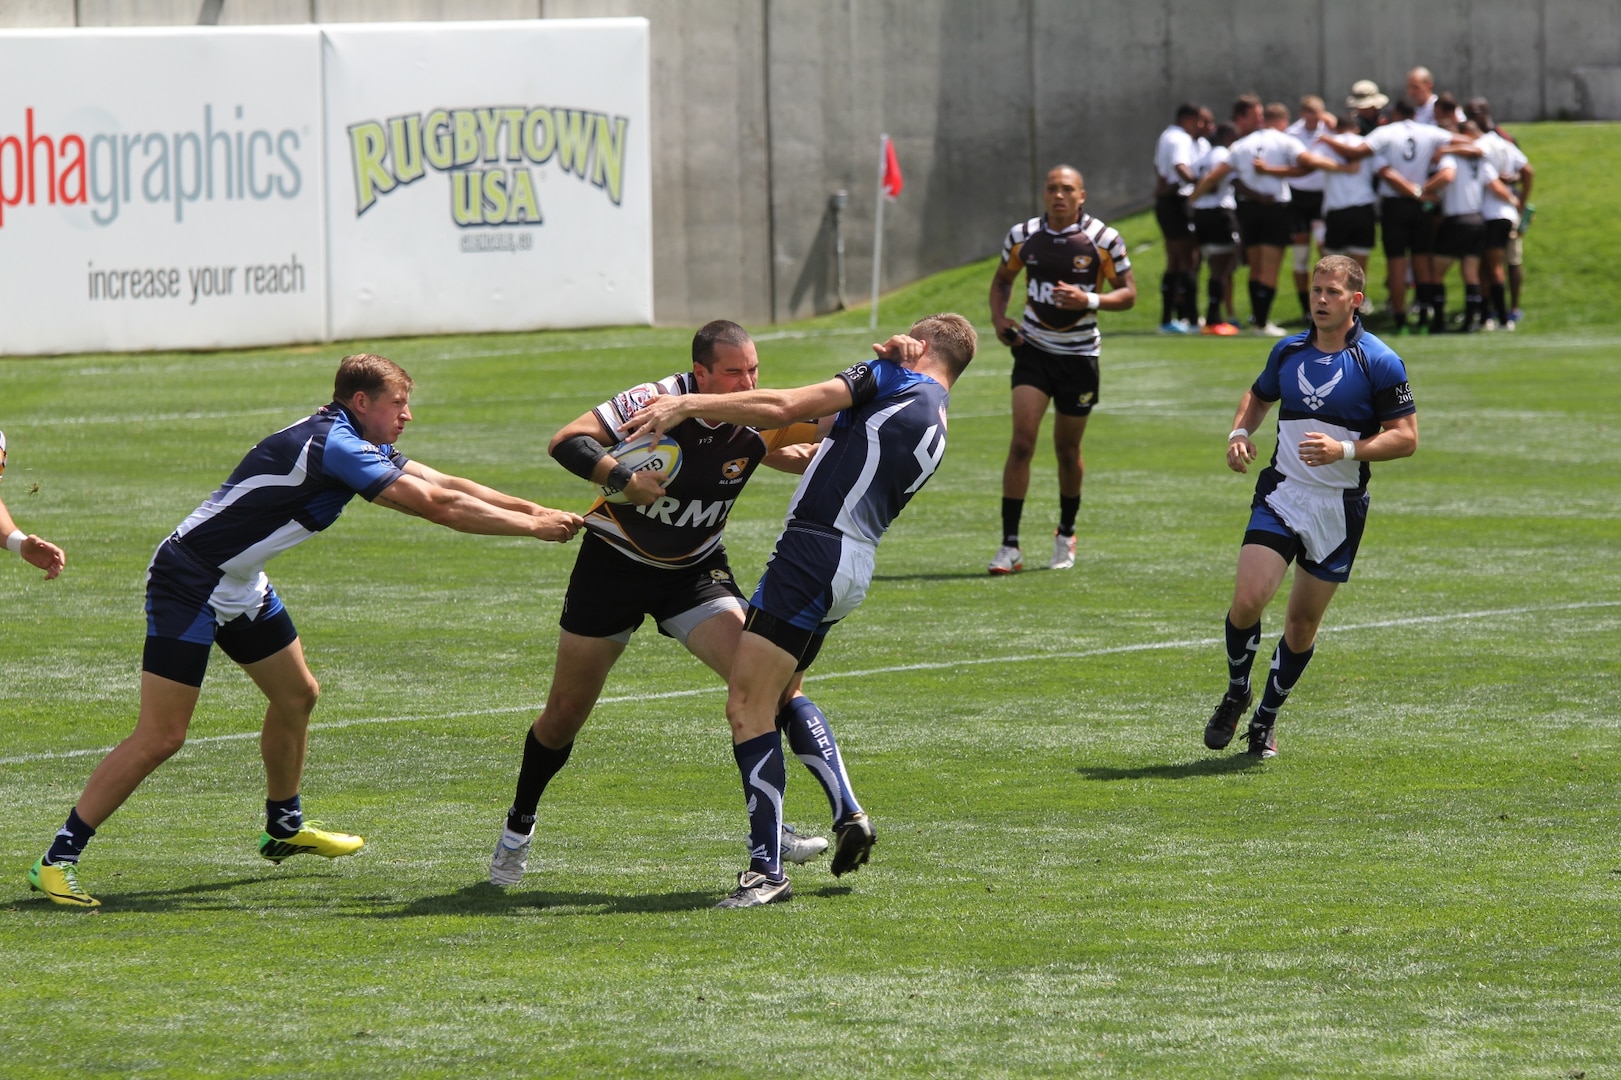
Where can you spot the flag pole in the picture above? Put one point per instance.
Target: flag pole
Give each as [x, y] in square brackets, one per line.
[878, 230]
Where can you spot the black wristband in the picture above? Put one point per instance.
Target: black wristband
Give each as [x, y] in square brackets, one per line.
[579, 455]
[618, 477]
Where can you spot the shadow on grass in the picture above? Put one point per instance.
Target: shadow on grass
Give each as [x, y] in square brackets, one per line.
[1186, 770]
[955, 576]
[486, 899]
[199, 896]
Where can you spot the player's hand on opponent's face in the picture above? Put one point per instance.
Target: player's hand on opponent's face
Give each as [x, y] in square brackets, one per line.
[1319, 449]
[659, 415]
[900, 347]
[45, 555]
[1240, 452]
[556, 525]
[643, 488]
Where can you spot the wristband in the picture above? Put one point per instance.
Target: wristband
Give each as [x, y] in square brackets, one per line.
[1238, 433]
[1350, 449]
[618, 477]
[1092, 300]
[14, 542]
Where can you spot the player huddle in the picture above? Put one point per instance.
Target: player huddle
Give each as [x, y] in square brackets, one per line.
[1438, 180]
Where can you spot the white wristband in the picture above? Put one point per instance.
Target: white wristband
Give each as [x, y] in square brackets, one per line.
[1091, 300]
[1238, 433]
[1350, 449]
[14, 542]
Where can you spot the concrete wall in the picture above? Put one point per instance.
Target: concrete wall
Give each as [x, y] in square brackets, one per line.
[764, 108]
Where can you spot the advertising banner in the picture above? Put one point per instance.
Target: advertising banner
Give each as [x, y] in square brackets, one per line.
[160, 189]
[488, 176]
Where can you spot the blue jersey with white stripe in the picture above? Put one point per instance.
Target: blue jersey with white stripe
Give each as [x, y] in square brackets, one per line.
[881, 451]
[1347, 395]
[290, 486]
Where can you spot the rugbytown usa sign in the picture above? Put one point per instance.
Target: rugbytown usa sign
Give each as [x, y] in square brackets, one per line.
[173, 188]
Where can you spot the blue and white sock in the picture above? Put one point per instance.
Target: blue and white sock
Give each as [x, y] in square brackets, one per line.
[70, 840]
[1287, 667]
[811, 737]
[765, 775]
[283, 818]
[1242, 644]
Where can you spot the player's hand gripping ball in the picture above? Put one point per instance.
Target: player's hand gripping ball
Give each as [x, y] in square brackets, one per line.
[651, 452]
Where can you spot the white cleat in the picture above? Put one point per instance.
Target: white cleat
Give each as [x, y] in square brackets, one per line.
[1271, 329]
[510, 858]
[1007, 560]
[1063, 552]
[800, 849]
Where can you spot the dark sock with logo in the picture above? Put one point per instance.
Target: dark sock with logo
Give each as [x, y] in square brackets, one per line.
[1438, 308]
[765, 775]
[1255, 302]
[1012, 511]
[1212, 314]
[1242, 643]
[811, 738]
[1472, 304]
[540, 764]
[1167, 296]
[1068, 507]
[1287, 667]
[70, 840]
[283, 817]
[1187, 307]
[1499, 303]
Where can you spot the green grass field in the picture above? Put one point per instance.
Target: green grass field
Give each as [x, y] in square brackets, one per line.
[1426, 881]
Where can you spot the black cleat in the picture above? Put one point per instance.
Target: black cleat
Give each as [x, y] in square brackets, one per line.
[1263, 740]
[754, 889]
[854, 843]
[1223, 723]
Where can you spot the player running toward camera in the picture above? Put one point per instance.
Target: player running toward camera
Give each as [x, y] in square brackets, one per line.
[1345, 402]
[207, 585]
[1066, 255]
[887, 438]
[662, 555]
[26, 546]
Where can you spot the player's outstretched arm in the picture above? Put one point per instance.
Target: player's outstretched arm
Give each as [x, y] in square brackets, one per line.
[466, 513]
[33, 550]
[753, 408]
[471, 487]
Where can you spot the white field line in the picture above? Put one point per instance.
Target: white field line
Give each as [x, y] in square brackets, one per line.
[943, 665]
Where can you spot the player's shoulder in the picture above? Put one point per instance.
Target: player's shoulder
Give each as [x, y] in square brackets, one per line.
[1103, 234]
[1380, 356]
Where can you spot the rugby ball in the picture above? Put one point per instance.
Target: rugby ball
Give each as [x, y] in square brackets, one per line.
[646, 453]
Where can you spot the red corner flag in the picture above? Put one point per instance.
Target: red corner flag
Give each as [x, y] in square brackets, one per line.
[892, 181]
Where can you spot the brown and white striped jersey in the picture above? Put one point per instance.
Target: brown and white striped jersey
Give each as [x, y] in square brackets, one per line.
[1087, 254]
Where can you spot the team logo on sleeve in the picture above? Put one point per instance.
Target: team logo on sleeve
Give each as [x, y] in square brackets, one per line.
[632, 401]
[1316, 396]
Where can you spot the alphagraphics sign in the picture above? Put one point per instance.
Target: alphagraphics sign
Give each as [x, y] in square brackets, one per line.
[172, 188]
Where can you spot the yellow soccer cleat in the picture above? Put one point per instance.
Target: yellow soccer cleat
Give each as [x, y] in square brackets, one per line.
[60, 882]
[310, 840]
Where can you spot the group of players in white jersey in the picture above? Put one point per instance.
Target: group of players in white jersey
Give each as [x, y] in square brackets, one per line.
[1440, 181]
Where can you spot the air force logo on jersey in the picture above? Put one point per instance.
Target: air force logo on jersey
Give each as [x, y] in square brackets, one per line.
[1316, 396]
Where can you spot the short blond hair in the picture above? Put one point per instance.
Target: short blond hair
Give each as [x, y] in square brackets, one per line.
[951, 337]
[369, 374]
[1355, 277]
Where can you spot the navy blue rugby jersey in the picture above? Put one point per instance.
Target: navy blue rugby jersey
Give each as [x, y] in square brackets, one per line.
[882, 449]
[291, 485]
[1348, 394]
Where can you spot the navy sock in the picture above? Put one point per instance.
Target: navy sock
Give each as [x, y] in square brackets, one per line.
[1255, 302]
[1438, 308]
[1167, 296]
[1242, 644]
[765, 775]
[1212, 314]
[70, 840]
[1472, 304]
[811, 738]
[283, 817]
[1287, 667]
[540, 764]
[1068, 507]
[1187, 307]
[1012, 511]
[1499, 303]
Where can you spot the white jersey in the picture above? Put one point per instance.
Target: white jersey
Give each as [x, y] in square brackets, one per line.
[1221, 196]
[1312, 181]
[1271, 146]
[1345, 190]
[1508, 160]
[1175, 147]
[1407, 147]
[1466, 193]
